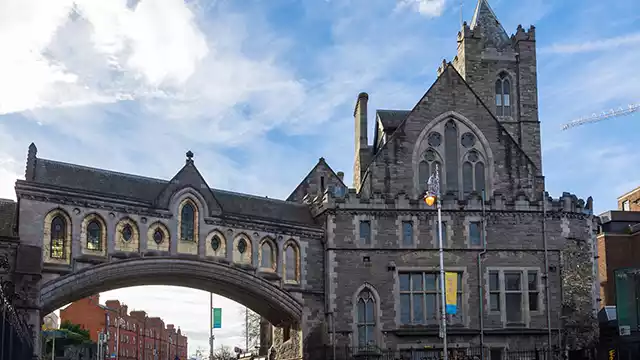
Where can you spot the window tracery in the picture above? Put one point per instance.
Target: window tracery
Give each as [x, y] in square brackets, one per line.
[502, 92]
[460, 151]
[427, 166]
[366, 319]
[473, 173]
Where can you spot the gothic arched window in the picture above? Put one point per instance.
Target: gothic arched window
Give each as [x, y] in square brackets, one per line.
[366, 319]
[267, 258]
[187, 222]
[427, 167]
[503, 100]
[451, 156]
[94, 235]
[473, 176]
[58, 237]
[291, 263]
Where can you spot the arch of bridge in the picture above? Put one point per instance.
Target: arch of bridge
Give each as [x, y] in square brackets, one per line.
[275, 304]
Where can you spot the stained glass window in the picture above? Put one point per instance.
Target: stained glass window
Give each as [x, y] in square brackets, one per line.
[58, 237]
[187, 228]
[94, 235]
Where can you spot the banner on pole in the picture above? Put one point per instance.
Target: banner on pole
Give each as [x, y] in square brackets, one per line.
[451, 295]
[217, 318]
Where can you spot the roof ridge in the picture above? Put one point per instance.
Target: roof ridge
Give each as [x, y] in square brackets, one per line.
[105, 170]
[280, 201]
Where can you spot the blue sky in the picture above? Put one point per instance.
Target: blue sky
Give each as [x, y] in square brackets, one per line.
[259, 90]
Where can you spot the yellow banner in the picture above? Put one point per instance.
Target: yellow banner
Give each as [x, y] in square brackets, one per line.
[451, 295]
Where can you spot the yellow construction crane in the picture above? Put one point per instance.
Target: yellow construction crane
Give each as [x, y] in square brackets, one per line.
[632, 108]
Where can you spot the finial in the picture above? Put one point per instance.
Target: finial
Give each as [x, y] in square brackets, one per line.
[189, 156]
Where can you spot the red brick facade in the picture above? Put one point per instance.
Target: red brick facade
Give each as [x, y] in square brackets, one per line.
[630, 201]
[618, 243]
[140, 337]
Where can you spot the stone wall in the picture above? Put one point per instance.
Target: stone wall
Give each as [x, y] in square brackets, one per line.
[580, 284]
[514, 242]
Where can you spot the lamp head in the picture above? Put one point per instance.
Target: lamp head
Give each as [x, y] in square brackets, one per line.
[429, 199]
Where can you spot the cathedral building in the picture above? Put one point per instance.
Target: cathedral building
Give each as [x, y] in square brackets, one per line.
[347, 266]
[524, 261]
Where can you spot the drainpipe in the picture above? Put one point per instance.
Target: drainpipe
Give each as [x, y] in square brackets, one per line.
[560, 272]
[480, 277]
[546, 260]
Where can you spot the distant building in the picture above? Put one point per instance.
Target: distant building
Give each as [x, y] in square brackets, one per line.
[619, 273]
[51, 321]
[630, 201]
[139, 337]
[618, 243]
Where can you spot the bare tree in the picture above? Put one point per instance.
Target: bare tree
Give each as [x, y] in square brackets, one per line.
[223, 353]
[251, 330]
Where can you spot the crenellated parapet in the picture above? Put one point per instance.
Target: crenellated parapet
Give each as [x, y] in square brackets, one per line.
[468, 33]
[524, 35]
[567, 203]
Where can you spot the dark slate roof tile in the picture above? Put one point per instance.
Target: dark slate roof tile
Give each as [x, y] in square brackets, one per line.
[84, 178]
[391, 119]
[262, 207]
[146, 190]
[7, 218]
[492, 31]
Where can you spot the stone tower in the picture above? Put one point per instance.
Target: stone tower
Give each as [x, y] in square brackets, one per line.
[502, 70]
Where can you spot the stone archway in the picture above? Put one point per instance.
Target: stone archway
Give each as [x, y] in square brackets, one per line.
[271, 302]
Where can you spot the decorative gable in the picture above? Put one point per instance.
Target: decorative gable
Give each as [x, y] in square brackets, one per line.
[188, 177]
[450, 126]
[319, 179]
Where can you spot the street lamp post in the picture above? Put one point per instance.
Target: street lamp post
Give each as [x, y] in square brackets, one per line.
[433, 195]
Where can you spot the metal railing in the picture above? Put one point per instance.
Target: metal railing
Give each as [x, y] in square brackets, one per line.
[371, 353]
[16, 341]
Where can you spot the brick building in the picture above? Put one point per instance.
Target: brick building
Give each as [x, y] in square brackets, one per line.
[140, 337]
[618, 243]
[630, 201]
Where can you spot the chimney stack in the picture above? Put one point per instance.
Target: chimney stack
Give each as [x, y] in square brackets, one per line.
[361, 142]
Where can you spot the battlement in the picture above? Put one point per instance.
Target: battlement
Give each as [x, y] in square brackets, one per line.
[476, 33]
[467, 32]
[522, 35]
[442, 67]
[567, 203]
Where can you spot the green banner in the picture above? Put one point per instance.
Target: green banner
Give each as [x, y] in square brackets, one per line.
[217, 318]
[626, 281]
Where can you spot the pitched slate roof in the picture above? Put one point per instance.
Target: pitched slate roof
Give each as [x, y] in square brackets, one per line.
[146, 190]
[492, 31]
[7, 218]
[391, 119]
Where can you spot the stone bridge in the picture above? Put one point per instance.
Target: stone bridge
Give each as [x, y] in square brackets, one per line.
[275, 304]
[89, 230]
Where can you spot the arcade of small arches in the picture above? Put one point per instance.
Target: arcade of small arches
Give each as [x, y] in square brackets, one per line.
[94, 239]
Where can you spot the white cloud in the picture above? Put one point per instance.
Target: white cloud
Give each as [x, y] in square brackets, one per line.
[428, 8]
[212, 84]
[593, 45]
[65, 53]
